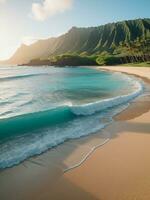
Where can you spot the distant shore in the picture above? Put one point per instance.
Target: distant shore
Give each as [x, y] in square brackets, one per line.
[119, 170]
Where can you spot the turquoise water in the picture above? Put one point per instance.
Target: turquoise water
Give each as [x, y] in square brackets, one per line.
[41, 107]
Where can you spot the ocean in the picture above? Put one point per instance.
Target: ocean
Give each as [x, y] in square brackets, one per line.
[42, 107]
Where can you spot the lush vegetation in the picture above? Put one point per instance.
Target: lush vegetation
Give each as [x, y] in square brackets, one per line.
[122, 59]
[80, 60]
[66, 60]
[73, 60]
[114, 43]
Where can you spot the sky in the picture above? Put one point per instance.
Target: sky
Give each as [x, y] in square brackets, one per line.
[25, 21]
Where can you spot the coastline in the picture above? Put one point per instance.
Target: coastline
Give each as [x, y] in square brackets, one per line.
[80, 182]
[120, 170]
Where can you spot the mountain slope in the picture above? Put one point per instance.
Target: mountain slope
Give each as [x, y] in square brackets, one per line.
[87, 41]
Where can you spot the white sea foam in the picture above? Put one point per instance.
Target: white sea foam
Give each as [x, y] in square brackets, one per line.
[86, 156]
[17, 150]
[91, 108]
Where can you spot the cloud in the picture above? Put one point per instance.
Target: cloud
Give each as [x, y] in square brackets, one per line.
[41, 11]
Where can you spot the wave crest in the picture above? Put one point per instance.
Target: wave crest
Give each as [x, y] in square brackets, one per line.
[9, 78]
[91, 108]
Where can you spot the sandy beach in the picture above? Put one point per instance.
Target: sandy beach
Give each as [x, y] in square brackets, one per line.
[118, 170]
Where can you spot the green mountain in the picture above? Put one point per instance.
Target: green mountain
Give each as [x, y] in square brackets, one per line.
[121, 38]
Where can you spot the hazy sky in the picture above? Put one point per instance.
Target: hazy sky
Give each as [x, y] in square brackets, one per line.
[24, 21]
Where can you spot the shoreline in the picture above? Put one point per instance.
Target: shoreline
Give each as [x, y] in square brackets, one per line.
[123, 115]
[135, 71]
[57, 181]
[93, 176]
[146, 79]
[94, 148]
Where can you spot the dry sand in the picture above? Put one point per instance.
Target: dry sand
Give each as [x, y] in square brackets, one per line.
[139, 71]
[119, 170]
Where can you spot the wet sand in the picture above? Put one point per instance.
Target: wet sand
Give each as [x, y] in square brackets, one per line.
[118, 170]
